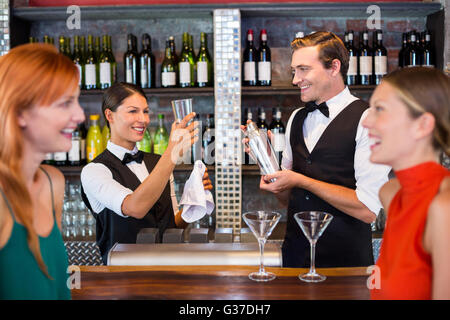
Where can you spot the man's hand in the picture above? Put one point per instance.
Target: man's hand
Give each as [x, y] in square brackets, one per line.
[284, 180]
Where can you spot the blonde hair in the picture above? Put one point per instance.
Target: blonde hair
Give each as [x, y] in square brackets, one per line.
[30, 75]
[423, 90]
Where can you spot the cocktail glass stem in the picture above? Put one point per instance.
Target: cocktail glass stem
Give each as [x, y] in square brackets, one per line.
[261, 242]
[312, 268]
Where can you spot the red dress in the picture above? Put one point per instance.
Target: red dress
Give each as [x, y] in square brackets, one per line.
[404, 266]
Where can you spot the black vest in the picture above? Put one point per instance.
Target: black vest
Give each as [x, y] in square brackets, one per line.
[347, 241]
[112, 228]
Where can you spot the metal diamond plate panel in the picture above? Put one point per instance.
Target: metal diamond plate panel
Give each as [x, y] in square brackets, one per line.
[83, 253]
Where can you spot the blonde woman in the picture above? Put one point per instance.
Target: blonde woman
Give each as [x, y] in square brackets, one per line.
[39, 110]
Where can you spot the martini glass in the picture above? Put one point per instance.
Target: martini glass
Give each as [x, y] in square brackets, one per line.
[313, 224]
[261, 223]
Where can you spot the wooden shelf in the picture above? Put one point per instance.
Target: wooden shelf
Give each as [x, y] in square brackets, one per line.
[163, 92]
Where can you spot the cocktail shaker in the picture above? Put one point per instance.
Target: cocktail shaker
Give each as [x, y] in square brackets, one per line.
[261, 150]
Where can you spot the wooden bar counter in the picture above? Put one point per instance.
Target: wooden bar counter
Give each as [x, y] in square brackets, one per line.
[216, 283]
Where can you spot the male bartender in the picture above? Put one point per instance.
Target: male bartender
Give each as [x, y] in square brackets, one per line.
[326, 163]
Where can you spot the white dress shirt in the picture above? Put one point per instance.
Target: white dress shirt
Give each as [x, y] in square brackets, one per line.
[103, 191]
[369, 177]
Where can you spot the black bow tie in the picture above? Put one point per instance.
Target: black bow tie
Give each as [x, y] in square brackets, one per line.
[311, 106]
[128, 157]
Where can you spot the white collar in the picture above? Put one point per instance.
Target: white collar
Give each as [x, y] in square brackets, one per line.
[119, 151]
[339, 102]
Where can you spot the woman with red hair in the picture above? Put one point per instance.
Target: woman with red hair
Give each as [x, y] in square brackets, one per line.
[39, 110]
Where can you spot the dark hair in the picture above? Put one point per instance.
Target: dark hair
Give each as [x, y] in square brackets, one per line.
[114, 96]
[330, 47]
[423, 90]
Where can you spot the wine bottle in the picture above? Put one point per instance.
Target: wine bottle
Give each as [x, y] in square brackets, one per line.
[208, 140]
[261, 124]
[402, 52]
[130, 59]
[365, 61]
[94, 139]
[105, 65]
[147, 63]
[60, 158]
[161, 136]
[380, 58]
[83, 47]
[90, 67]
[204, 64]
[67, 48]
[412, 54]
[78, 60]
[168, 74]
[174, 56]
[278, 133]
[49, 159]
[74, 155]
[146, 143]
[264, 61]
[113, 61]
[62, 47]
[186, 64]
[97, 50]
[248, 116]
[250, 56]
[352, 73]
[428, 56]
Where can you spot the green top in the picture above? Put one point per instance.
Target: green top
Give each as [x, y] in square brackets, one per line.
[20, 275]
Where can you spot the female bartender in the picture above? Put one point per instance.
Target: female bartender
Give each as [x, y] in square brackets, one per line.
[127, 189]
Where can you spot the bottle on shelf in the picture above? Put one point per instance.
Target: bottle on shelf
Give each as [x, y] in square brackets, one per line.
[248, 116]
[90, 67]
[68, 48]
[352, 73]
[175, 57]
[168, 73]
[186, 64]
[412, 53]
[161, 136]
[419, 48]
[191, 47]
[49, 159]
[264, 61]
[83, 47]
[130, 60]
[94, 139]
[62, 45]
[147, 63]
[365, 61]
[146, 143]
[106, 135]
[105, 65]
[208, 140]
[196, 149]
[204, 64]
[380, 58]
[60, 158]
[78, 60]
[113, 61]
[402, 53]
[250, 56]
[428, 56]
[278, 130]
[46, 39]
[83, 132]
[97, 50]
[261, 124]
[74, 155]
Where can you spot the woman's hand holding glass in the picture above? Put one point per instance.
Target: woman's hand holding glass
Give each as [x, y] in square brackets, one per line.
[182, 136]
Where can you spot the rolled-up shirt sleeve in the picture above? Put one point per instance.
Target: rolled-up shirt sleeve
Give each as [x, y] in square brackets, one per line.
[369, 177]
[286, 160]
[102, 190]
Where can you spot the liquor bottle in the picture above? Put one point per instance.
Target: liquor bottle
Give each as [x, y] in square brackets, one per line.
[412, 54]
[278, 133]
[174, 56]
[90, 67]
[78, 60]
[262, 119]
[161, 136]
[264, 61]
[168, 74]
[105, 65]
[250, 56]
[380, 58]
[352, 73]
[146, 143]
[365, 61]
[113, 61]
[248, 116]
[130, 59]
[186, 64]
[196, 149]
[427, 51]
[106, 135]
[204, 64]
[147, 63]
[208, 140]
[402, 53]
[74, 154]
[94, 139]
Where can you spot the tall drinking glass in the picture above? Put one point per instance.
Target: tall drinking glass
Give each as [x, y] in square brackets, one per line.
[313, 224]
[262, 224]
[181, 108]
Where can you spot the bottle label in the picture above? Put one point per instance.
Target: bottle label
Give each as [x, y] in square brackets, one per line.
[250, 71]
[264, 71]
[74, 153]
[380, 65]
[129, 76]
[60, 156]
[144, 81]
[91, 79]
[168, 79]
[202, 71]
[185, 72]
[278, 142]
[105, 73]
[49, 156]
[365, 65]
[352, 66]
[79, 73]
